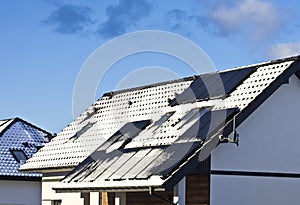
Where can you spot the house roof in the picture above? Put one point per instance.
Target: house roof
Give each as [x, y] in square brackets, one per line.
[154, 135]
[19, 140]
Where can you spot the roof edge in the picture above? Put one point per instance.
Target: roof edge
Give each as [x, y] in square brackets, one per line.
[48, 170]
[21, 178]
[32, 125]
[188, 78]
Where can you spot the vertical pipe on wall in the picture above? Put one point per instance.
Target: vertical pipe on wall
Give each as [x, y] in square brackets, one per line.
[175, 194]
[181, 191]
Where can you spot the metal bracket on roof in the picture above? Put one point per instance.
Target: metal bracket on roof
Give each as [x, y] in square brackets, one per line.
[51, 136]
[235, 138]
[109, 95]
[151, 192]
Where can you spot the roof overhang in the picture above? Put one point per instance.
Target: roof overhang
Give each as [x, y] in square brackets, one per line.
[154, 182]
[48, 170]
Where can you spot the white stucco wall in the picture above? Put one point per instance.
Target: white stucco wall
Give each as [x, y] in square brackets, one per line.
[48, 194]
[20, 192]
[269, 142]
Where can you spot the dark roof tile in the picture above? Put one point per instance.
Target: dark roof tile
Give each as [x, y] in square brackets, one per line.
[14, 133]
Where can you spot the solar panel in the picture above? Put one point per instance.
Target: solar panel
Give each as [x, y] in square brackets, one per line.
[95, 164]
[208, 124]
[161, 121]
[113, 169]
[171, 156]
[141, 163]
[129, 164]
[203, 129]
[105, 161]
[219, 84]
[125, 134]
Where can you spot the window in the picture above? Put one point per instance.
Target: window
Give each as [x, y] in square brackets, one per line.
[19, 155]
[56, 202]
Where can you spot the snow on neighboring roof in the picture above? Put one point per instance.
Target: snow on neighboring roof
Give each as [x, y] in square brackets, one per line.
[19, 140]
[4, 124]
[111, 112]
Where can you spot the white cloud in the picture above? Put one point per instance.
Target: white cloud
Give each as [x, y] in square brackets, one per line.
[283, 50]
[256, 18]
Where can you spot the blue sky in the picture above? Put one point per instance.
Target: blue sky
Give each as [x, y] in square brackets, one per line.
[44, 44]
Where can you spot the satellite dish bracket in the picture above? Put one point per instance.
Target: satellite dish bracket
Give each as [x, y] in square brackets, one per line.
[235, 138]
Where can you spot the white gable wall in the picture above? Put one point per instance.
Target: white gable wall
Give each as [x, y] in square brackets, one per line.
[48, 194]
[269, 143]
[20, 192]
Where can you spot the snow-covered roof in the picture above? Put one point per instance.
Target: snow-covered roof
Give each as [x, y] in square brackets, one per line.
[152, 133]
[19, 140]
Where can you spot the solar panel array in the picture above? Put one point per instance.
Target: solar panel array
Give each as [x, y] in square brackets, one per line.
[213, 85]
[157, 103]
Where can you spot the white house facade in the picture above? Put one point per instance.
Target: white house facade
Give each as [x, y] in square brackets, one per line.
[264, 168]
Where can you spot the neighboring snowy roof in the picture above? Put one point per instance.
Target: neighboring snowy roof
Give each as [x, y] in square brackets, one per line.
[19, 140]
[173, 125]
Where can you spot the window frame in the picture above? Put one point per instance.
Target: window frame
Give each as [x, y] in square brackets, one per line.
[56, 202]
[15, 153]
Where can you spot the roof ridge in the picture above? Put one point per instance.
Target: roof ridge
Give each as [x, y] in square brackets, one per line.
[265, 63]
[30, 124]
[12, 120]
